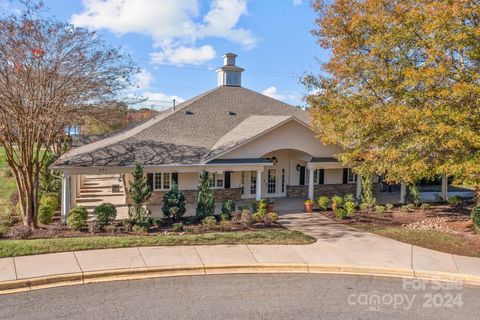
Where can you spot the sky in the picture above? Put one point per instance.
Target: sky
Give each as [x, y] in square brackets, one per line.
[178, 44]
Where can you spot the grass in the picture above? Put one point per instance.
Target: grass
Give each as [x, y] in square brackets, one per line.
[10, 248]
[7, 184]
[434, 240]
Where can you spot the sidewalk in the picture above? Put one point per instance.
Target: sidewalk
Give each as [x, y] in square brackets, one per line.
[339, 249]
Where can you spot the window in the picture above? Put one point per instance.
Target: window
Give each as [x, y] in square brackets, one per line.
[272, 181]
[253, 182]
[162, 181]
[216, 181]
[352, 177]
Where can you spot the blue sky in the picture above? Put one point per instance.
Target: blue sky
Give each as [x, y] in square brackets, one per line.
[179, 43]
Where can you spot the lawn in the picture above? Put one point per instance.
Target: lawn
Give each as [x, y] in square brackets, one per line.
[440, 241]
[9, 248]
[7, 184]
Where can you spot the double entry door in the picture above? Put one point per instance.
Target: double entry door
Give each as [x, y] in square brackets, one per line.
[273, 183]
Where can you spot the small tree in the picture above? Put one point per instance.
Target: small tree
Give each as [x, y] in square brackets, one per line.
[139, 192]
[174, 203]
[367, 196]
[49, 183]
[205, 199]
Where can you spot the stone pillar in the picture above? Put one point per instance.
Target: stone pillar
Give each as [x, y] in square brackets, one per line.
[359, 188]
[258, 195]
[444, 190]
[310, 184]
[403, 192]
[65, 196]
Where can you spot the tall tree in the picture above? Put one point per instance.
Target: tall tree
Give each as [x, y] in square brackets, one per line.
[401, 91]
[49, 71]
[205, 198]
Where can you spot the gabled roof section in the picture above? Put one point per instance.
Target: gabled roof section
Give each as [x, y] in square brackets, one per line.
[188, 134]
[245, 131]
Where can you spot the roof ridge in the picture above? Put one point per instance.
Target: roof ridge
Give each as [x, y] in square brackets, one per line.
[128, 133]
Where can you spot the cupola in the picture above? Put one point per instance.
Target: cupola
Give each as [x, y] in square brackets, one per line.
[229, 74]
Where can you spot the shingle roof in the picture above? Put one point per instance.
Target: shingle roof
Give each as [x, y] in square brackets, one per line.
[324, 159]
[198, 129]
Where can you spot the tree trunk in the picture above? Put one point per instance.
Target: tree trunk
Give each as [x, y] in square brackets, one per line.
[28, 190]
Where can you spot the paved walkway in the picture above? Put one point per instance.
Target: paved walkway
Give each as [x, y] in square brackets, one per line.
[339, 249]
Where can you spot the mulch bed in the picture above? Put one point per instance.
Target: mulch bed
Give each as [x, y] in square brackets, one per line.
[442, 218]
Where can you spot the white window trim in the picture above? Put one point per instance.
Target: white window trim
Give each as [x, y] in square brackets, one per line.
[161, 181]
[350, 173]
[216, 177]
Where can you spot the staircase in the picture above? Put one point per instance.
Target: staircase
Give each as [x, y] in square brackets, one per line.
[98, 189]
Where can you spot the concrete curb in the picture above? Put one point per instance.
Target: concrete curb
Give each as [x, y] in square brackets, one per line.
[14, 286]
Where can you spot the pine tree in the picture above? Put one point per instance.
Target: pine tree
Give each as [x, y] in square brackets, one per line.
[174, 203]
[139, 192]
[205, 199]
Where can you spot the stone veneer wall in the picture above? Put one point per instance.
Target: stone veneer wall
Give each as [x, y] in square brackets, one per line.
[326, 190]
[191, 195]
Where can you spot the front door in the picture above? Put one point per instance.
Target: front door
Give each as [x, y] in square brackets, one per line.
[272, 182]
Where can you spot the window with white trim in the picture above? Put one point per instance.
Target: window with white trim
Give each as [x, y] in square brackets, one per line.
[352, 177]
[216, 180]
[162, 181]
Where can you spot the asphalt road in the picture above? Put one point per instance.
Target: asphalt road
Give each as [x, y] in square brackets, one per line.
[265, 296]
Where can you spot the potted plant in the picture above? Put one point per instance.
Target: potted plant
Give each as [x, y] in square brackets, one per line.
[269, 205]
[308, 205]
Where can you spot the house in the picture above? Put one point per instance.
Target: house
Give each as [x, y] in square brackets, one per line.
[253, 146]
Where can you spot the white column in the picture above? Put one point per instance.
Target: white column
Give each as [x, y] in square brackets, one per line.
[403, 192]
[258, 196]
[359, 188]
[444, 192]
[310, 184]
[65, 196]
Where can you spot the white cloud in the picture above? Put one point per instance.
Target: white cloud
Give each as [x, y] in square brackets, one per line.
[172, 25]
[144, 79]
[272, 92]
[183, 55]
[297, 3]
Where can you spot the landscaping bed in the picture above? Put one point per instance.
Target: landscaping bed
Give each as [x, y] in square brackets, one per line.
[443, 227]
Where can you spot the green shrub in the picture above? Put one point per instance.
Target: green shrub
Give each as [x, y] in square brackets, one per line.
[6, 217]
[104, 214]
[455, 201]
[177, 227]
[323, 202]
[273, 216]
[174, 203]
[228, 206]
[258, 217]
[254, 206]
[45, 214]
[407, 207]
[225, 217]
[51, 200]
[77, 218]
[380, 210]
[389, 206]
[4, 230]
[414, 195]
[337, 203]
[349, 198]
[476, 218]
[139, 228]
[209, 221]
[425, 206]
[262, 207]
[364, 206]
[205, 198]
[158, 222]
[349, 207]
[341, 213]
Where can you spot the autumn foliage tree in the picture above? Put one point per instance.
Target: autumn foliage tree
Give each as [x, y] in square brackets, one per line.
[401, 91]
[49, 71]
